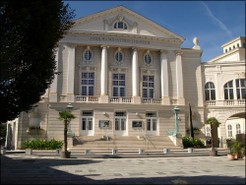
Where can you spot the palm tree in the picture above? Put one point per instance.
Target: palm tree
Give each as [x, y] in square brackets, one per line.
[66, 116]
[214, 124]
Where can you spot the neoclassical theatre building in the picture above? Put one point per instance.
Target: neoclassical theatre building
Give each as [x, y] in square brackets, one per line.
[127, 78]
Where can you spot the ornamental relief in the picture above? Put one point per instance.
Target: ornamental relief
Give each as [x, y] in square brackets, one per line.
[108, 23]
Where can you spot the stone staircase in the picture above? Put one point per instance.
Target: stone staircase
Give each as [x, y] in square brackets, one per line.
[123, 144]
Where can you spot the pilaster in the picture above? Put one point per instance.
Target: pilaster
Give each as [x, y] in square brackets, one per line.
[70, 72]
[164, 78]
[179, 78]
[53, 86]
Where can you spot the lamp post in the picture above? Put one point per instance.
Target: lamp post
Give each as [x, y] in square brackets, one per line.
[176, 111]
[69, 108]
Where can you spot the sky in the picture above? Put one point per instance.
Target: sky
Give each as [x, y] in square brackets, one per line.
[213, 22]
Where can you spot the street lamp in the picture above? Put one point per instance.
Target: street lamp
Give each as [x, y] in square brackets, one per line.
[69, 108]
[176, 110]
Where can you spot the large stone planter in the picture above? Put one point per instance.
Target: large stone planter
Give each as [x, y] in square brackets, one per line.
[66, 154]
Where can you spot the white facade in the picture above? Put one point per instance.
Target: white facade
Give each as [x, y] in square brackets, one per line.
[224, 88]
[118, 67]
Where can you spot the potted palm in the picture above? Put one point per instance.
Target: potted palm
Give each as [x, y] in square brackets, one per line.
[237, 149]
[66, 117]
[214, 124]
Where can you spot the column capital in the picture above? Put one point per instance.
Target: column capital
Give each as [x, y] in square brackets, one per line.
[178, 52]
[163, 51]
[134, 49]
[70, 45]
[105, 46]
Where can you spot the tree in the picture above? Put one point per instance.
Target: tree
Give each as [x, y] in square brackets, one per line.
[214, 124]
[29, 35]
[66, 117]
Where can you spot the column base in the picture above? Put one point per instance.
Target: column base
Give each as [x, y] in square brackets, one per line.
[70, 98]
[53, 97]
[136, 99]
[181, 101]
[104, 99]
[166, 100]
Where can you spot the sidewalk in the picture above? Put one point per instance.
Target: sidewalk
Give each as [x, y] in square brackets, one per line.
[19, 168]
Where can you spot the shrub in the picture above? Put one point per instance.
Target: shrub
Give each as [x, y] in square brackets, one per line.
[190, 142]
[42, 144]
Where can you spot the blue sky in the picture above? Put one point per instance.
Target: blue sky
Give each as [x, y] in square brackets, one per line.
[213, 22]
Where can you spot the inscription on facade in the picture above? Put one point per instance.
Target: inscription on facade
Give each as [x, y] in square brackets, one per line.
[118, 40]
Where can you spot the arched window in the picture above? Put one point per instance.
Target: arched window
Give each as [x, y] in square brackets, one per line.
[209, 91]
[120, 25]
[229, 130]
[240, 86]
[238, 129]
[228, 91]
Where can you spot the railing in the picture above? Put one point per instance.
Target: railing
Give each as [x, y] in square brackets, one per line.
[225, 103]
[151, 100]
[120, 100]
[86, 98]
[123, 100]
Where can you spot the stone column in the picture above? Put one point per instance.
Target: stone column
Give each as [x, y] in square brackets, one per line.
[70, 72]
[104, 73]
[164, 78]
[135, 77]
[179, 79]
[53, 86]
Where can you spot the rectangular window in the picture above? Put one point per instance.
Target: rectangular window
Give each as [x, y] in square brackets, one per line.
[87, 120]
[136, 124]
[151, 120]
[148, 86]
[119, 83]
[87, 83]
[120, 121]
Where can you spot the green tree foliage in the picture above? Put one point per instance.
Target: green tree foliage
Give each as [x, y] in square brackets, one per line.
[29, 34]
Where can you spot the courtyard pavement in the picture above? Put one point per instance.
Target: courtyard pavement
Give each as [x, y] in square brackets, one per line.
[19, 168]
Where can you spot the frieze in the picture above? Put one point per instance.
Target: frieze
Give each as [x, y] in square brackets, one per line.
[119, 40]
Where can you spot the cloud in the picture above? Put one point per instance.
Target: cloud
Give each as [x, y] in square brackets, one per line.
[217, 21]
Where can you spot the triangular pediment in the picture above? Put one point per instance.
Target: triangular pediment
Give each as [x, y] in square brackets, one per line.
[107, 22]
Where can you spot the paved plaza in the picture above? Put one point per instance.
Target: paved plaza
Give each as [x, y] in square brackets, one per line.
[24, 169]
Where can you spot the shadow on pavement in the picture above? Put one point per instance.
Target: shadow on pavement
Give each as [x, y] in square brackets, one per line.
[41, 171]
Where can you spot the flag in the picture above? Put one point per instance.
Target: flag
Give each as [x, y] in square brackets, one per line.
[191, 125]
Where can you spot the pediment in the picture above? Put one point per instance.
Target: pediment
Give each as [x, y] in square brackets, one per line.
[121, 20]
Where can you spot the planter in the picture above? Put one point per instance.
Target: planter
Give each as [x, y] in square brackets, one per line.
[140, 151]
[213, 152]
[28, 151]
[190, 150]
[166, 150]
[3, 151]
[114, 151]
[231, 157]
[65, 154]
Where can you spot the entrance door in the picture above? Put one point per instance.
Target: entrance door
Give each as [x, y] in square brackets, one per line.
[87, 123]
[120, 123]
[151, 121]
